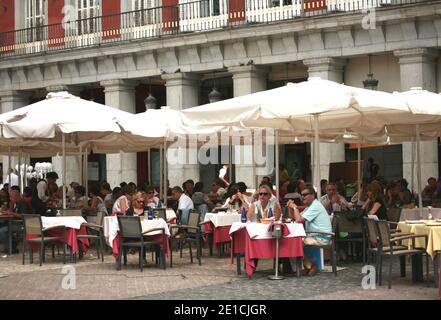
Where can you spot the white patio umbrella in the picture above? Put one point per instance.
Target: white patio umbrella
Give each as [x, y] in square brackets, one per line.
[310, 107]
[64, 119]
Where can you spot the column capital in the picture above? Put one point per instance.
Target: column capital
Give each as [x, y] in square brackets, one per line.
[71, 89]
[416, 55]
[251, 71]
[180, 79]
[118, 85]
[325, 64]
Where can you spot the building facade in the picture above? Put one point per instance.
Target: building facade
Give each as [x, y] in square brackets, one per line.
[117, 52]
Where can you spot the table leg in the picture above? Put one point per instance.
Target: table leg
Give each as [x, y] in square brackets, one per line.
[417, 268]
[239, 271]
[10, 236]
[299, 264]
[436, 262]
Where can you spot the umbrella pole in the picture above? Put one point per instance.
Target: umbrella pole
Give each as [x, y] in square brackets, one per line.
[317, 155]
[19, 172]
[277, 166]
[412, 167]
[165, 173]
[230, 158]
[161, 170]
[149, 167]
[420, 199]
[86, 174]
[81, 166]
[9, 166]
[359, 170]
[63, 166]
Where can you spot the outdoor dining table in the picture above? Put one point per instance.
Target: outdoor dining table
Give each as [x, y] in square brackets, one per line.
[219, 226]
[74, 226]
[111, 229]
[430, 228]
[416, 214]
[255, 241]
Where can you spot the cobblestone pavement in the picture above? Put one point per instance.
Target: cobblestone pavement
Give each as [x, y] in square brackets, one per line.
[215, 279]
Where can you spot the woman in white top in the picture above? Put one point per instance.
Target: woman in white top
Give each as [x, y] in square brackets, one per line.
[261, 207]
[122, 203]
[236, 199]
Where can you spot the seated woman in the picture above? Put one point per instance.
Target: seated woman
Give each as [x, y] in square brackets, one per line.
[96, 204]
[375, 204]
[79, 201]
[236, 199]
[260, 208]
[152, 201]
[123, 202]
[137, 205]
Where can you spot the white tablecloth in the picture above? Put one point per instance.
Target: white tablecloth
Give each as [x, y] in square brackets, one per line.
[68, 222]
[170, 214]
[260, 230]
[223, 219]
[111, 227]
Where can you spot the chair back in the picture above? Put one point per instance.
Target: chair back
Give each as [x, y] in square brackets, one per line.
[393, 214]
[129, 227]
[183, 216]
[160, 213]
[371, 230]
[350, 226]
[100, 218]
[193, 221]
[32, 224]
[203, 209]
[71, 212]
[383, 230]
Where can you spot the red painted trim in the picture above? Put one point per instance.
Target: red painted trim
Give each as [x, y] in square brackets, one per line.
[55, 19]
[111, 21]
[7, 24]
[236, 10]
[314, 5]
[170, 15]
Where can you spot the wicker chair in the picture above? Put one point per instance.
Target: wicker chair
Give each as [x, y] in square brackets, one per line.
[33, 226]
[189, 233]
[131, 236]
[355, 228]
[387, 240]
[160, 213]
[71, 213]
[95, 231]
[332, 245]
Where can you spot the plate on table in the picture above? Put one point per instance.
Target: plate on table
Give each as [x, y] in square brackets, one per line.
[414, 222]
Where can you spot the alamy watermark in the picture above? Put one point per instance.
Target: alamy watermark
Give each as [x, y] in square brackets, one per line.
[369, 21]
[69, 281]
[369, 280]
[253, 147]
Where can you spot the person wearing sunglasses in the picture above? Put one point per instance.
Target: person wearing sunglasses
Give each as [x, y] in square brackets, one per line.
[137, 206]
[151, 200]
[261, 207]
[315, 218]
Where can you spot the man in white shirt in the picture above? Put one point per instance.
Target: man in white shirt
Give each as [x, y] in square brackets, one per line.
[184, 201]
[11, 178]
[332, 201]
[51, 177]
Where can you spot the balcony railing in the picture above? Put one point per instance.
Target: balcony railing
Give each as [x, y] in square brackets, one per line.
[188, 16]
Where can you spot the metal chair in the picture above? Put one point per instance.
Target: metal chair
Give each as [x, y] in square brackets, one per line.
[393, 214]
[71, 213]
[160, 213]
[355, 230]
[95, 231]
[387, 241]
[34, 233]
[188, 233]
[332, 245]
[131, 236]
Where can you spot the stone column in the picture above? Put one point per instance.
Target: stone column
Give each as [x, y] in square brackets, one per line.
[183, 93]
[11, 100]
[247, 80]
[120, 94]
[72, 162]
[328, 69]
[418, 69]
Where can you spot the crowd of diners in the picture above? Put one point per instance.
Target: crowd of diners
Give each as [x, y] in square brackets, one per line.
[302, 203]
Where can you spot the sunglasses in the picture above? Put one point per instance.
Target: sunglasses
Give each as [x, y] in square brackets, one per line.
[264, 194]
[140, 201]
[305, 194]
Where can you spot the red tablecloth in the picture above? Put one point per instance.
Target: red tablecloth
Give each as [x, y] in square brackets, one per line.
[220, 234]
[263, 248]
[157, 238]
[71, 238]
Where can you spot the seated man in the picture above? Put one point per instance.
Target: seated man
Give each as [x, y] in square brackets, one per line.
[332, 201]
[184, 201]
[316, 218]
[19, 206]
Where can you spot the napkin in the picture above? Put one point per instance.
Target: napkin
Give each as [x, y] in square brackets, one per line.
[285, 229]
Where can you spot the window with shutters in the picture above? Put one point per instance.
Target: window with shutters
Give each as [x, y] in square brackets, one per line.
[35, 13]
[88, 11]
[144, 12]
[210, 8]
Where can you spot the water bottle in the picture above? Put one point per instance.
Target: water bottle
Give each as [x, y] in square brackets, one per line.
[244, 215]
[159, 204]
[150, 213]
[146, 212]
[270, 213]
